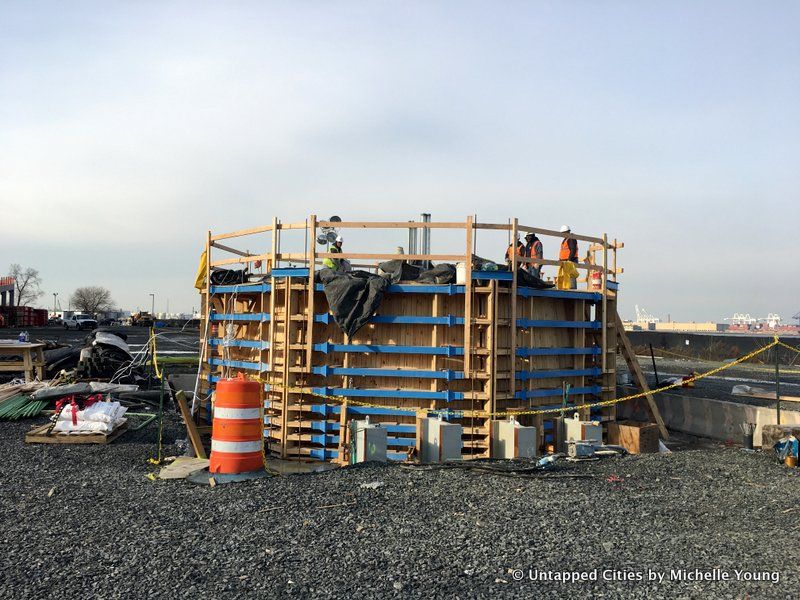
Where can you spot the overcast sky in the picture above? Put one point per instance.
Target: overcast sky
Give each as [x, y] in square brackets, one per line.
[129, 129]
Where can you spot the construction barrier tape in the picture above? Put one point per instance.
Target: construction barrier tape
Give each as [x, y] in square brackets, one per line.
[589, 405]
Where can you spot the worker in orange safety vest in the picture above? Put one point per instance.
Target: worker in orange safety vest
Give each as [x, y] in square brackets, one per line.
[520, 251]
[569, 251]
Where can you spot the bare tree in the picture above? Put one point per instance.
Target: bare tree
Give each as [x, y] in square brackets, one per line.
[92, 299]
[27, 282]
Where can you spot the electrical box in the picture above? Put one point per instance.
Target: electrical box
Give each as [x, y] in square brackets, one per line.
[512, 440]
[440, 440]
[369, 442]
[581, 431]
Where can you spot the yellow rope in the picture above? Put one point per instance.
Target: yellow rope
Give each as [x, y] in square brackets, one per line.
[511, 413]
[154, 349]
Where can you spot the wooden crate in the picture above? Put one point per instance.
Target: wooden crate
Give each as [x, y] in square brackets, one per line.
[635, 437]
[39, 436]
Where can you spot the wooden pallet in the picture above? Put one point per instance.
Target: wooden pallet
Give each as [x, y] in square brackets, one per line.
[39, 436]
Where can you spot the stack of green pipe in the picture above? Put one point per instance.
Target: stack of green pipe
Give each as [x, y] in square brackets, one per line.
[21, 407]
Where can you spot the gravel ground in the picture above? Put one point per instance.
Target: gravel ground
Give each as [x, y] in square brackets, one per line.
[107, 531]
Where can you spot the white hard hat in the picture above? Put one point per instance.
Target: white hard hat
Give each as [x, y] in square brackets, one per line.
[339, 239]
[564, 228]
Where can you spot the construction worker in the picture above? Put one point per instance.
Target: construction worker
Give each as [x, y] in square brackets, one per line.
[334, 264]
[569, 253]
[533, 249]
[520, 251]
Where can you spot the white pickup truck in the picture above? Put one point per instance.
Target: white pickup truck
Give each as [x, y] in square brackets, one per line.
[80, 322]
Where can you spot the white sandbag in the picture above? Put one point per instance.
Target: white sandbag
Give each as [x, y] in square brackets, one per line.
[99, 412]
[86, 427]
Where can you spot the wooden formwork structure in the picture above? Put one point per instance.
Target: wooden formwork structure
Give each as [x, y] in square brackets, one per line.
[466, 351]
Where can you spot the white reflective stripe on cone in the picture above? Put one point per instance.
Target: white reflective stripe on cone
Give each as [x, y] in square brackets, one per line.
[235, 447]
[223, 412]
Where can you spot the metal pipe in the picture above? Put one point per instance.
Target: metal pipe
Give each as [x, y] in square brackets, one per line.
[655, 370]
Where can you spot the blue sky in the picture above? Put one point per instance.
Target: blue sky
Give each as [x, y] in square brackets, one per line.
[129, 129]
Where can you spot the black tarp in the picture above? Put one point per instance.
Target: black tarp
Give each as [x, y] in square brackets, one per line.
[525, 279]
[440, 274]
[228, 276]
[352, 297]
[399, 270]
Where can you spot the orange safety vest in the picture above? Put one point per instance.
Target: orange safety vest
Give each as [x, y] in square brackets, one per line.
[565, 251]
[520, 251]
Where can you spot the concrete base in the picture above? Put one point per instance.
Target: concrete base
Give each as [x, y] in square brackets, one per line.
[704, 417]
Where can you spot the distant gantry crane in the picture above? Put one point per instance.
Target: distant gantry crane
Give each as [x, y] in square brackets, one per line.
[742, 319]
[642, 316]
[772, 320]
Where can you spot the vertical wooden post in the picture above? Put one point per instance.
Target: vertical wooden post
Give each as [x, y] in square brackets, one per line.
[272, 291]
[312, 256]
[614, 260]
[207, 313]
[468, 302]
[604, 357]
[512, 382]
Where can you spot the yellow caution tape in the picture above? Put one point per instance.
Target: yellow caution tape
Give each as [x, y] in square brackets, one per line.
[513, 413]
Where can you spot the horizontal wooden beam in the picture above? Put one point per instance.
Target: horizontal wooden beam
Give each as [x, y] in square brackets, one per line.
[243, 259]
[229, 249]
[391, 225]
[233, 234]
[360, 256]
[557, 263]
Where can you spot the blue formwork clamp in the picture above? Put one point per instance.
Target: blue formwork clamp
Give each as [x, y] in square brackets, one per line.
[449, 375]
[324, 370]
[323, 318]
[449, 396]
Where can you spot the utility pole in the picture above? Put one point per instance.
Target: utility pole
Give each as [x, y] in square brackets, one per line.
[55, 308]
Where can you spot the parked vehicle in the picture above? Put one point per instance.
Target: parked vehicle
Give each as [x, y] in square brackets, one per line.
[80, 322]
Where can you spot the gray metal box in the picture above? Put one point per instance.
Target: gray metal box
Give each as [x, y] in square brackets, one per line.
[512, 440]
[440, 441]
[586, 431]
[369, 441]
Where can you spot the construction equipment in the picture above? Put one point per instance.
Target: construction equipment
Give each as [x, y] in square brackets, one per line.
[142, 319]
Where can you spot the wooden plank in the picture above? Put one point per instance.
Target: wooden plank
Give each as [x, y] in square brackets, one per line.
[229, 249]
[556, 263]
[390, 225]
[604, 337]
[241, 259]
[513, 324]
[468, 301]
[312, 256]
[638, 377]
[527, 229]
[191, 427]
[241, 232]
[39, 436]
[367, 256]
